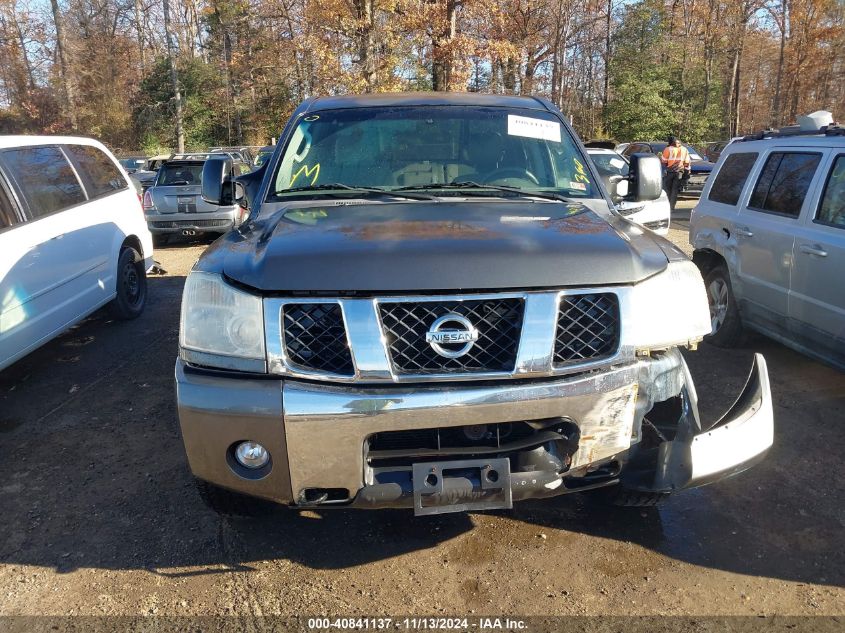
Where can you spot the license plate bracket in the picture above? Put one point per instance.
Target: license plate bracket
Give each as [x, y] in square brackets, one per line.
[186, 204]
[462, 486]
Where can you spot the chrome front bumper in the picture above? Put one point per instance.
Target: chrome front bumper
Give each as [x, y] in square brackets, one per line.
[316, 434]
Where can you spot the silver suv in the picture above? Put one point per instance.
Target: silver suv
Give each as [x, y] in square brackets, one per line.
[173, 204]
[769, 238]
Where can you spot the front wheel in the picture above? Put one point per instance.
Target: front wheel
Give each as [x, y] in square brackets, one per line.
[131, 286]
[724, 314]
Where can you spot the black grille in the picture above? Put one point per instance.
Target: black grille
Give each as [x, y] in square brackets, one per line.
[587, 328]
[481, 435]
[315, 337]
[498, 322]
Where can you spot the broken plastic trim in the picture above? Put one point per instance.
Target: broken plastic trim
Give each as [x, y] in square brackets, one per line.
[740, 439]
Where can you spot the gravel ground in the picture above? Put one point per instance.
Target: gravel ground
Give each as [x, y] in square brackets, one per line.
[99, 514]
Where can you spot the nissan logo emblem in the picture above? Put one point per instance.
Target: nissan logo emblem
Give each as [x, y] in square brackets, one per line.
[461, 331]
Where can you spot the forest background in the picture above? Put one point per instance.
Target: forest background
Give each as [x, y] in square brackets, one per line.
[143, 75]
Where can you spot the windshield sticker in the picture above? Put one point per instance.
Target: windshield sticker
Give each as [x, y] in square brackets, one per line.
[533, 128]
[578, 186]
[305, 169]
[617, 162]
[580, 174]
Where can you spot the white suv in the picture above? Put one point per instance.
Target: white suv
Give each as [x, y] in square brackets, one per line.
[769, 238]
[72, 238]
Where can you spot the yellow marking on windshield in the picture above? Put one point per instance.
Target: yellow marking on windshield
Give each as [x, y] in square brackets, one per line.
[581, 172]
[307, 171]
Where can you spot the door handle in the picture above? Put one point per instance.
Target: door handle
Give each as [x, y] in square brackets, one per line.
[813, 249]
[743, 231]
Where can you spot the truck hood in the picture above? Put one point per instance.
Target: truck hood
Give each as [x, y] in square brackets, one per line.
[353, 246]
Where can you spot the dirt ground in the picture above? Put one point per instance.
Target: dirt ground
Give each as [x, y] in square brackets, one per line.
[99, 515]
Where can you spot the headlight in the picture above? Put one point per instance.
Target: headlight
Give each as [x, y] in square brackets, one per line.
[221, 326]
[669, 309]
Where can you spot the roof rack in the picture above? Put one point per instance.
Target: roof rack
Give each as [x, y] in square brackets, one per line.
[795, 130]
[196, 155]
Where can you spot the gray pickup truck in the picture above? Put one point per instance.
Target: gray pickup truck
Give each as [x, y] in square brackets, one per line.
[433, 304]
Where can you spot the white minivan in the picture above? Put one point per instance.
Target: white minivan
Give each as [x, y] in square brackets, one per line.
[73, 238]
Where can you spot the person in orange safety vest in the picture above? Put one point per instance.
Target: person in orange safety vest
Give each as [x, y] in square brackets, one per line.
[676, 163]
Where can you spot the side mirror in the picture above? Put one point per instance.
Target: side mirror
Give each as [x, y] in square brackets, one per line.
[616, 185]
[240, 194]
[646, 177]
[218, 185]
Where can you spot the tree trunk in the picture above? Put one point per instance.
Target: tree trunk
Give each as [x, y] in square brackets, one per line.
[365, 13]
[441, 52]
[735, 83]
[776, 117]
[174, 79]
[61, 51]
[139, 29]
[605, 98]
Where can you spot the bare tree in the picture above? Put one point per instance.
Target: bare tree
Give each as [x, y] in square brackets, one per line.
[174, 79]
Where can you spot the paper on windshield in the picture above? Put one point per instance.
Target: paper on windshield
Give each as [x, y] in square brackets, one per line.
[529, 127]
[617, 162]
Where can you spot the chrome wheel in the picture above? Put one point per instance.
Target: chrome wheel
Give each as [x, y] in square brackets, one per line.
[717, 300]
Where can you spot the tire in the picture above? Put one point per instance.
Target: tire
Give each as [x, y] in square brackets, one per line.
[160, 239]
[724, 313]
[232, 504]
[620, 496]
[131, 285]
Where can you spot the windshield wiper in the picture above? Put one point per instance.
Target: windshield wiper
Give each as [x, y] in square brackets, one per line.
[471, 184]
[339, 185]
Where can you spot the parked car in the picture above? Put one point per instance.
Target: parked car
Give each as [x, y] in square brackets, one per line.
[600, 144]
[769, 238]
[133, 163]
[142, 180]
[712, 151]
[244, 154]
[264, 154]
[652, 214]
[154, 162]
[173, 204]
[434, 306]
[72, 239]
[620, 148]
[699, 167]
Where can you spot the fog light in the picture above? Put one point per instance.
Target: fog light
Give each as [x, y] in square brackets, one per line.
[251, 455]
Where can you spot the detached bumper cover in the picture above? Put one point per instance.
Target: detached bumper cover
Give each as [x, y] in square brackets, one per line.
[740, 439]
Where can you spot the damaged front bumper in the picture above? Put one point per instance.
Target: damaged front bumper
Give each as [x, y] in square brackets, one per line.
[740, 439]
[583, 432]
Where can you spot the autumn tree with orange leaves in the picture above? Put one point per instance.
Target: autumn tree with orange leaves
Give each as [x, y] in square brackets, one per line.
[705, 69]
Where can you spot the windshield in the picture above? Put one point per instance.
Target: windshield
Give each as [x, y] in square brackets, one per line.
[610, 164]
[180, 174]
[426, 146]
